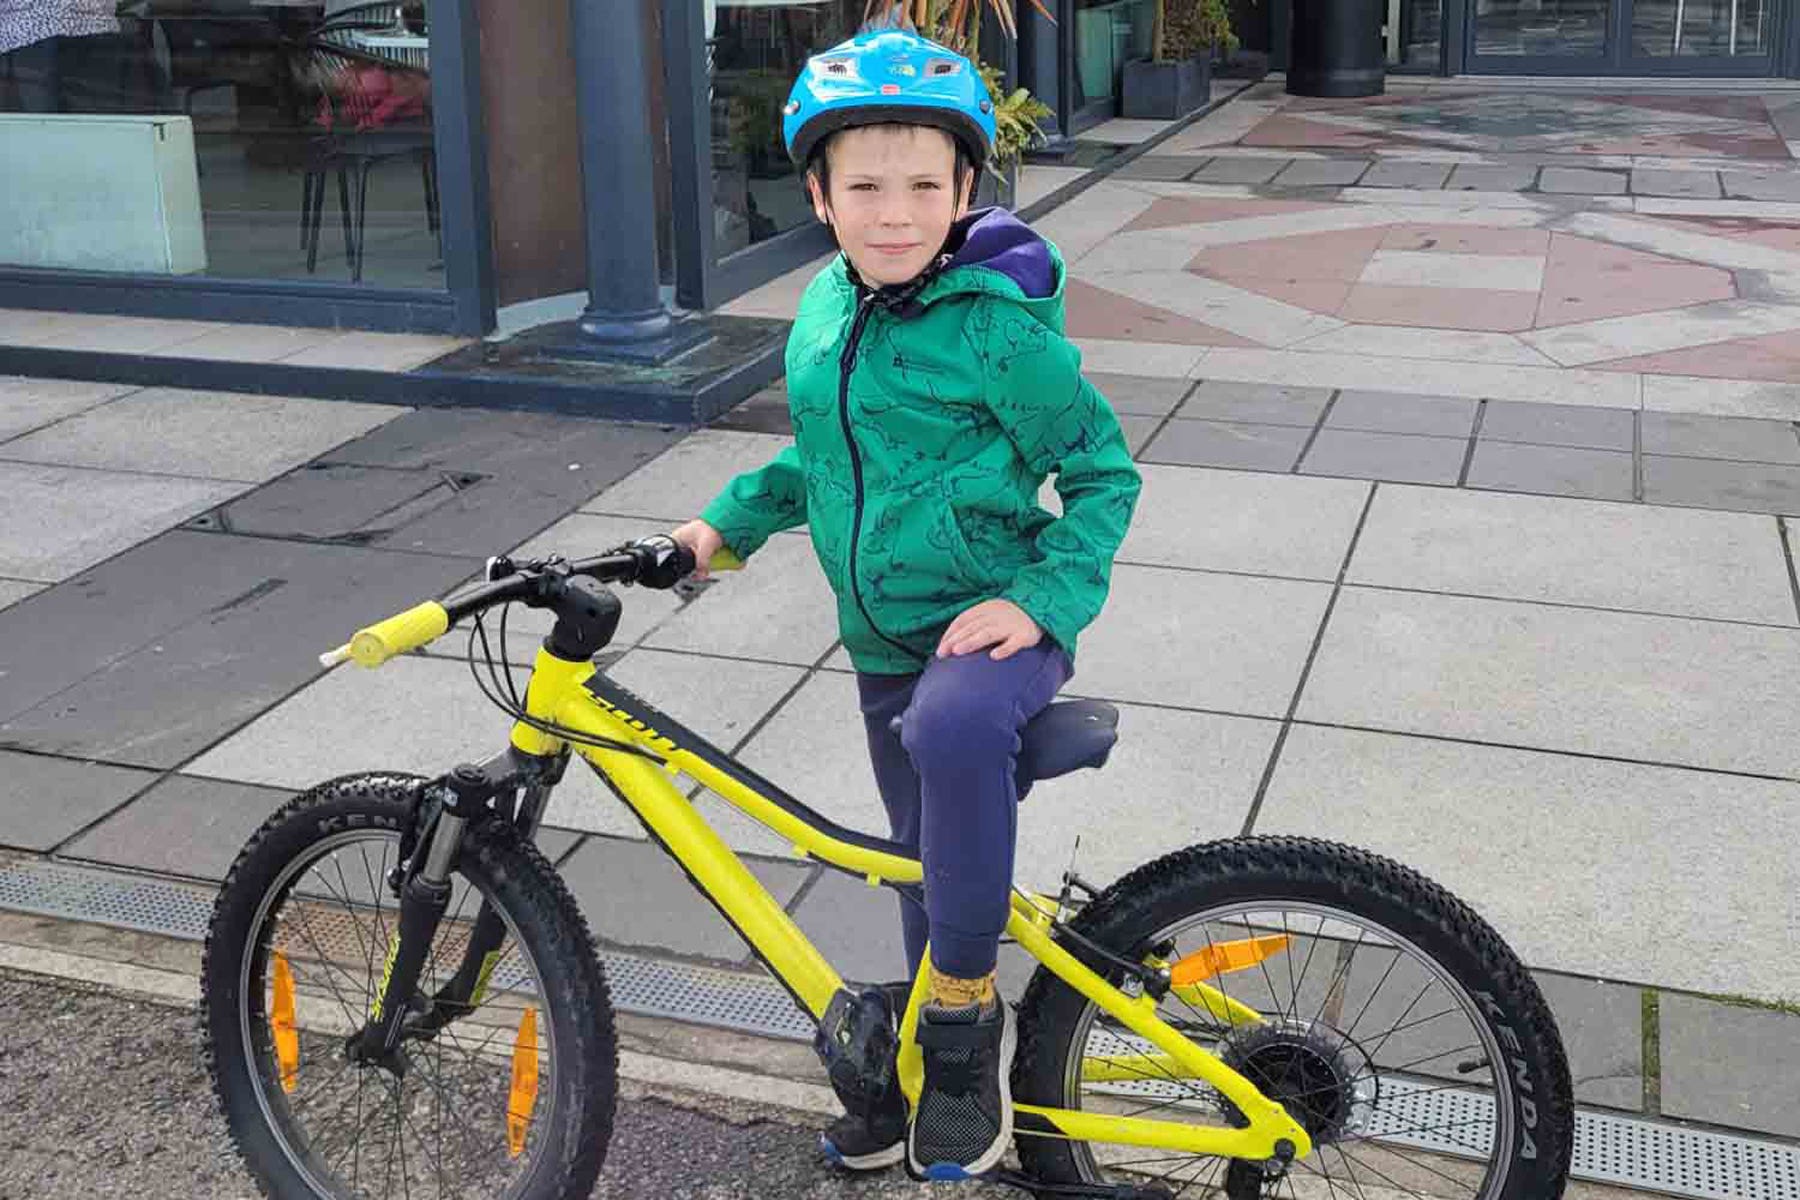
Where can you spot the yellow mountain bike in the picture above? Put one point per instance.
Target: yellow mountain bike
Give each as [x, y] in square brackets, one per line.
[402, 998]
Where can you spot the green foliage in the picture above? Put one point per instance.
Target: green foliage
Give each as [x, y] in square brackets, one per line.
[1191, 28]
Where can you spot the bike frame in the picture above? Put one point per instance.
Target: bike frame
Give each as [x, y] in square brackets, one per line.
[577, 698]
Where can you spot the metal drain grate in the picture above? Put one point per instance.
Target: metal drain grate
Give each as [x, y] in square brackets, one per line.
[1628, 1151]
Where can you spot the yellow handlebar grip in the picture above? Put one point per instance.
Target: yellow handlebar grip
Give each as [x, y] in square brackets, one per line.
[406, 631]
[724, 560]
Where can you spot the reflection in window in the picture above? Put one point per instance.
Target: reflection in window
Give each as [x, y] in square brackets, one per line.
[1699, 28]
[279, 139]
[1541, 28]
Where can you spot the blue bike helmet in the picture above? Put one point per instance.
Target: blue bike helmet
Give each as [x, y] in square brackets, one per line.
[888, 76]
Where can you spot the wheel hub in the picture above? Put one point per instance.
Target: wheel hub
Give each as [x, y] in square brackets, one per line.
[1302, 1067]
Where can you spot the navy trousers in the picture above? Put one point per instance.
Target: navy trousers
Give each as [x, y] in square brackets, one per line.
[947, 782]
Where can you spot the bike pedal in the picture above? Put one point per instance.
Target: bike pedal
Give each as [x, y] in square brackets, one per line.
[1087, 1191]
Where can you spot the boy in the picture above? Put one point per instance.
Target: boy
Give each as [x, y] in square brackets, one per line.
[932, 393]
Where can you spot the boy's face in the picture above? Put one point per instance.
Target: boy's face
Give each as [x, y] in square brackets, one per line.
[893, 197]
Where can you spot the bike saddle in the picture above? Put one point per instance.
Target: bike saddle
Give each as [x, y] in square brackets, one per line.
[1066, 736]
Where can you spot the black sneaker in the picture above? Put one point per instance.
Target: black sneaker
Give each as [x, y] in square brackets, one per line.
[867, 1143]
[963, 1122]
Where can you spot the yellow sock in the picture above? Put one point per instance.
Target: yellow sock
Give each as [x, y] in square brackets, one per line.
[952, 992]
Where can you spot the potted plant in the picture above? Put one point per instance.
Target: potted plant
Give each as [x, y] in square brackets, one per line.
[1177, 77]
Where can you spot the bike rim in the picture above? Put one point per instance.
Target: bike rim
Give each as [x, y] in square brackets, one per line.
[1418, 1122]
[453, 1102]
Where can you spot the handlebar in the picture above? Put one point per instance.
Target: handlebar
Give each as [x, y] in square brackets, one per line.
[655, 562]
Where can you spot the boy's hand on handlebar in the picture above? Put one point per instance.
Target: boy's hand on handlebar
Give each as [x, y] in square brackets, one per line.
[997, 623]
[703, 541]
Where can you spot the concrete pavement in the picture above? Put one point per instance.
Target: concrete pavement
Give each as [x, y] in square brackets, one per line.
[1460, 540]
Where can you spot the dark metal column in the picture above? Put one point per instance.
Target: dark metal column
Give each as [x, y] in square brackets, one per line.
[625, 315]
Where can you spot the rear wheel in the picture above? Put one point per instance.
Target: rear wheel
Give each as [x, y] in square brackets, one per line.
[512, 1097]
[1387, 1017]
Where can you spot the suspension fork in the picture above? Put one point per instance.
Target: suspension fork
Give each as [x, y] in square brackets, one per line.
[465, 794]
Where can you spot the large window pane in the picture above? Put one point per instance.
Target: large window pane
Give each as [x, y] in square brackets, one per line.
[1415, 30]
[1108, 34]
[1541, 28]
[1699, 28]
[274, 139]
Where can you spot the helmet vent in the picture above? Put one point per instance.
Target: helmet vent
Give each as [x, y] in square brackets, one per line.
[942, 66]
[840, 68]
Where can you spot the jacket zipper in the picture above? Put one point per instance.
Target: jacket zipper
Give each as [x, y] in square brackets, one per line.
[847, 364]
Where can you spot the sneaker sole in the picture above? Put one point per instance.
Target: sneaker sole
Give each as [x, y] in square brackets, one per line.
[876, 1161]
[990, 1158]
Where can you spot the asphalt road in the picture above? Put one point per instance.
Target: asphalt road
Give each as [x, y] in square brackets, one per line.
[104, 1095]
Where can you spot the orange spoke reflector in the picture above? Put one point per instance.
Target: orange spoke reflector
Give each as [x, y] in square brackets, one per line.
[1222, 958]
[281, 1022]
[524, 1083]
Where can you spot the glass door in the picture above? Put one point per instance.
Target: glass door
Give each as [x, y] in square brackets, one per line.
[1698, 38]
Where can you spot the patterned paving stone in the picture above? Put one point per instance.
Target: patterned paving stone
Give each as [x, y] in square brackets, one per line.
[1558, 425]
[1646, 181]
[1403, 458]
[1473, 177]
[1406, 175]
[1551, 470]
[1392, 412]
[1162, 167]
[1581, 181]
[1783, 187]
[1269, 404]
[1227, 444]
[1321, 172]
[1742, 438]
[1713, 483]
[1239, 170]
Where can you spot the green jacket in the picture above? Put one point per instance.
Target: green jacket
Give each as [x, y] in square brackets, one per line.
[923, 431]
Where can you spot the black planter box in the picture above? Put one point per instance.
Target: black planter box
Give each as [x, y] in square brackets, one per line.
[1163, 91]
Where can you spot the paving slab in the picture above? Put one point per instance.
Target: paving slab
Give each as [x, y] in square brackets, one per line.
[50, 799]
[1139, 395]
[682, 480]
[1550, 848]
[636, 897]
[216, 435]
[534, 468]
[1744, 439]
[1321, 172]
[1163, 167]
[1602, 1029]
[1261, 403]
[230, 626]
[1710, 483]
[1656, 689]
[1252, 635]
[335, 502]
[181, 826]
[1681, 562]
[1558, 425]
[815, 748]
[1138, 431]
[1394, 412]
[27, 404]
[371, 721]
[1777, 187]
[1552, 470]
[14, 590]
[1475, 177]
[1228, 444]
[1730, 1065]
[1403, 458]
[1240, 170]
[765, 412]
[1403, 174]
[59, 521]
[1581, 181]
[778, 608]
[1243, 521]
[1648, 181]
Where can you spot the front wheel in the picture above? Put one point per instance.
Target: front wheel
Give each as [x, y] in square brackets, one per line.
[1383, 1013]
[504, 1082]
